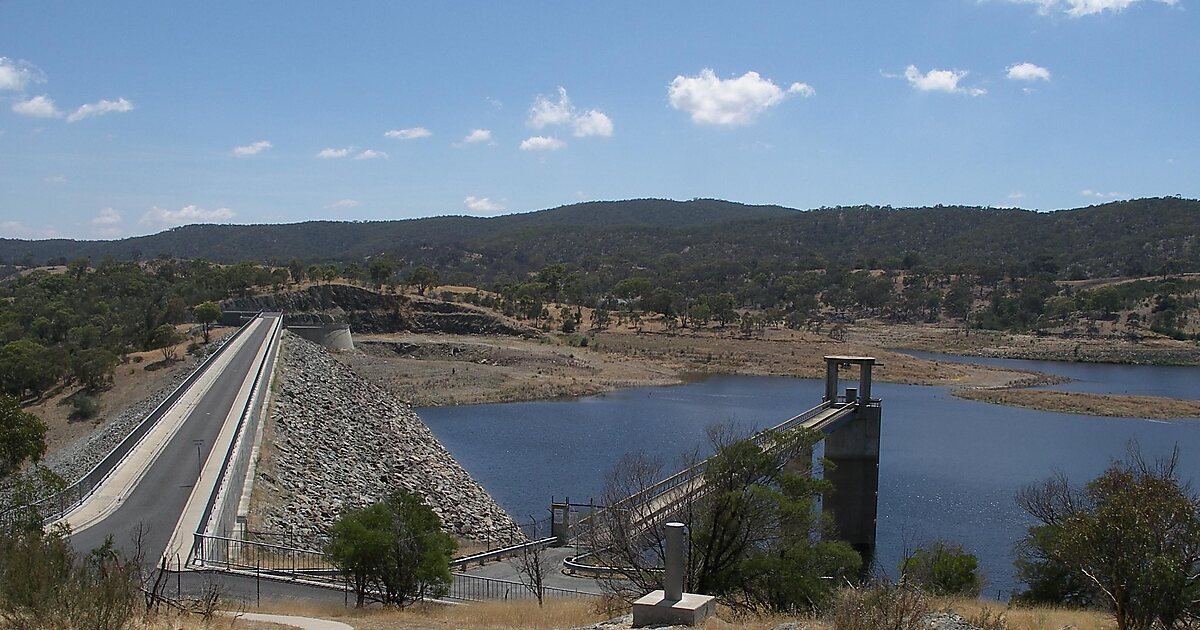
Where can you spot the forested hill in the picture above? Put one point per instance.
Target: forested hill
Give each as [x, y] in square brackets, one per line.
[1129, 237]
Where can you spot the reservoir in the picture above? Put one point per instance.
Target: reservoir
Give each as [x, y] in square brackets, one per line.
[949, 468]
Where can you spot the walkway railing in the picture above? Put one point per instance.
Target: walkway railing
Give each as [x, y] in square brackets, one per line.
[277, 561]
[67, 499]
[692, 474]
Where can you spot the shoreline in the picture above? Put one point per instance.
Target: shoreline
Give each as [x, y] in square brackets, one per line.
[437, 370]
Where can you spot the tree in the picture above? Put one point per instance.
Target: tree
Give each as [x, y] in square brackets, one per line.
[93, 368]
[26, 366]
[22, 436]
[757, 540]
[166, 338]
[380, 271]
[1129, 539]
[393, 551]
[532, 569]
[206, 313]
[424, 278]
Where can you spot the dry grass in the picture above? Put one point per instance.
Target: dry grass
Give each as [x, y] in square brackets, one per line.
[520, 615]
[1088, 404]
[1033, 618]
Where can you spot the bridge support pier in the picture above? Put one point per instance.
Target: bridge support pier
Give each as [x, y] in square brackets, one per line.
[853, 451]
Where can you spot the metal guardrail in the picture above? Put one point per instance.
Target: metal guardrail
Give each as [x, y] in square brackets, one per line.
[233, 468]
[502, 553]
[475, 588]
[74, 494]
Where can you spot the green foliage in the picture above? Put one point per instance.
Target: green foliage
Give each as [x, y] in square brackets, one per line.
[394, 551]
[45, 583]
[424, 278]
[758, 540]
[77, 324]
[84, 407]
[943, 569]
[1130, 539]
[22, 436]
[206, 313]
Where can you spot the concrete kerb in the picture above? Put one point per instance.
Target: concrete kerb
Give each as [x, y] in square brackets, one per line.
[219, 460]
[217, 506]
[243, 510]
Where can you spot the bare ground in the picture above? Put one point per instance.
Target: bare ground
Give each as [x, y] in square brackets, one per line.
[1088, 404]
[438, 370]
[1156, 350]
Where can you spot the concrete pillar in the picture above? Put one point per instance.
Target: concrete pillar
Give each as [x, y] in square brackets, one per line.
[851, 395]
[853, 451]
[864, 381]
[560, 523]
[831, 380]
[673, 581]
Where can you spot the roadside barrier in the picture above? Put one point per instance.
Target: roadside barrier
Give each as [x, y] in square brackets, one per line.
[58, 504]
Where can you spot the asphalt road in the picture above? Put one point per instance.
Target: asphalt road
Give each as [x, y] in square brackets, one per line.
[158, 500]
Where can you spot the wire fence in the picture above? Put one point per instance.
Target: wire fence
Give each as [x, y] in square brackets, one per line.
[70, 497]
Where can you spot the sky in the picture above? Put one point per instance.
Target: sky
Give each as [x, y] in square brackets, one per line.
[121, 118]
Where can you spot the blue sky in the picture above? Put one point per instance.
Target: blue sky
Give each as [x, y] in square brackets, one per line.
[121, 118]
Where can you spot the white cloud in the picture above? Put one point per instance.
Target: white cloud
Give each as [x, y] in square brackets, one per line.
[332, 153]
[1080, 8]
[803, 89]
[542, 143]
[371, 154]
[738, 101]
[99, 108]
[188, 214]
[38, 107]
[478, 135]
[1100, 195]
[15, 75]
[1028, 72]
[411, 133]
[940, 81]
[544, 112]
[251, 149]
[342, 204]
[592, 123]
[55, 179]
[482, 204]
[1016, 195]
[107, 216]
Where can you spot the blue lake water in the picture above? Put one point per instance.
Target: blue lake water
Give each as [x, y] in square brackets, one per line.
[949, 468]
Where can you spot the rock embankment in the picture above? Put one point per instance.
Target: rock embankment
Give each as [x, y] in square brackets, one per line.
[371, 312]
[335, 441]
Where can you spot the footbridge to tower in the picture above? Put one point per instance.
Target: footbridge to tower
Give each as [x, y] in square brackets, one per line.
[849, 422]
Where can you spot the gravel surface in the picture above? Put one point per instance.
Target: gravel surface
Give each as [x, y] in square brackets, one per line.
[336, 441]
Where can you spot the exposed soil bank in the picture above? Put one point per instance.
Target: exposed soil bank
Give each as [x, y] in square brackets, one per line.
[1152, 407]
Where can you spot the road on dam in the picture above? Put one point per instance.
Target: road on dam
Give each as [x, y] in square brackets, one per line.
[154, 505]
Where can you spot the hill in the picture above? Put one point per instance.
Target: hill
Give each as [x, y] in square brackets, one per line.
[1122, 238]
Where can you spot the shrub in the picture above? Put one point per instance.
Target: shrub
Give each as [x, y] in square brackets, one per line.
[84, 407]
[943, 569]
[880, 605]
